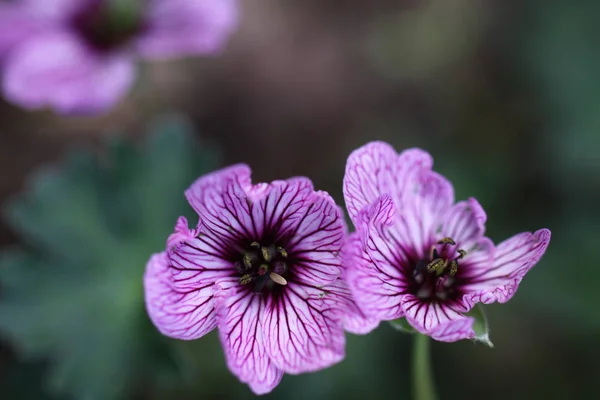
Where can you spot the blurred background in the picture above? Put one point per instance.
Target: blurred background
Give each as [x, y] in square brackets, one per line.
[504, 94]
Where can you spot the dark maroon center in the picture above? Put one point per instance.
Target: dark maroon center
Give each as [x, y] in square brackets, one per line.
[434, 278]
[265, 266]
[102, 29]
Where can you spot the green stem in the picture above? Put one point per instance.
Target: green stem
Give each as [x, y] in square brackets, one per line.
[423, 385]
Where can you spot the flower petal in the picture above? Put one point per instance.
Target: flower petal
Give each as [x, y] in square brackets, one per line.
[199, 262]
[182, 314]
[239, 313]
[303, 333]
[465, 223]
[438, 320]
[513, 258]
[17, 25]
[220, 200]
[183, 27]
[376, 169]
[354, 320]
[376, 287]
[182, 233]
[58, 71]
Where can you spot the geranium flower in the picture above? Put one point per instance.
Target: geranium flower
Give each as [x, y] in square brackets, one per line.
[416, 253]
[263, 266]
[77, 56]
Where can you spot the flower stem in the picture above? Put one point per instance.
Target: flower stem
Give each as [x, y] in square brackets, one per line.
[423, 385]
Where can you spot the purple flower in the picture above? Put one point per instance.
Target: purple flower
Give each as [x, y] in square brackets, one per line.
[417, 254]
[262, 265]
[77, 56]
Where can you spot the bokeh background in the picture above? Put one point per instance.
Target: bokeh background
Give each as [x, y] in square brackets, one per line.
[504, 94]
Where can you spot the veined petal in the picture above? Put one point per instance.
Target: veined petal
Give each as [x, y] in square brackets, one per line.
[239, 313]
[513, 258]
[438, 320]
[182, 233]
[220, 200]
[465, 223]
[354, 320]
[303, 333]
[316, 240]
[425, 201]
[199, 262]
[59, 71]
[376, 288]
[182, 314]
[183, 27]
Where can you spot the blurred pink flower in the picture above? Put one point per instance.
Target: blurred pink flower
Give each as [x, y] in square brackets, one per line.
[417, 254]
[78, 56]
[262, 265]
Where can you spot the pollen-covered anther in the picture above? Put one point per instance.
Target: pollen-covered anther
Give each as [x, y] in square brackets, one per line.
[447, 240]
[282, 251]
[453, 268]
[248, 260]
[462, 254]
[255, 244]
[436, 265]
[280, 280]
[245, 279]
[266, 254]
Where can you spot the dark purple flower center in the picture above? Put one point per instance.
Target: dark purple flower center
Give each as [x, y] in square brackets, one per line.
[434, 278]
[264, 266]
[102, 29]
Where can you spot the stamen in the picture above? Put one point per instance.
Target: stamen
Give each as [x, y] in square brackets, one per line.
[280, 280]
[263, 269]
[246, 279]
[248, 260]
[462, 253]
[266, 254]
[437, 265]
[447, 240]
[453, 267]
[282, 251]
[255, 244]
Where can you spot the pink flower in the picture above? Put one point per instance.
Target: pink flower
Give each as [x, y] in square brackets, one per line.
[417, 254]
[263, 266]
[78, 56]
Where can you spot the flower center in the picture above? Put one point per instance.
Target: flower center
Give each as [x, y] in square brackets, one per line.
[434, 275]
[265, 266]
[105, 29]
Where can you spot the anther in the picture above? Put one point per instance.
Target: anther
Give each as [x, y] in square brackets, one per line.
[280, 280]
[266, 254]
[255, 244]
[245, 279]
[248, 260]
[282, 251]
[436, 265]
[453, 267]
[462, 253]
[447, 240]
[263, 269]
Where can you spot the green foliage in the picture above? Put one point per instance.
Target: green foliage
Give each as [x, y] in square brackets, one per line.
[74, 295]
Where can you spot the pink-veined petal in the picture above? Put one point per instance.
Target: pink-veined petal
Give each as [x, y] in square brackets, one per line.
[184, 27]
[438, 320]
[465, 223]
[316, 242]
[354, 320]
[57, 70]
[179, 313]
[376, 288]
[303, 333]
[182, 233]
[513, 258]
[199, 262]
[220, 200]
[239, 313]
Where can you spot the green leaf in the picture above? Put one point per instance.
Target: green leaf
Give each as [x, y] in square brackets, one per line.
[480, 326]
[402, 325]
[74, 295]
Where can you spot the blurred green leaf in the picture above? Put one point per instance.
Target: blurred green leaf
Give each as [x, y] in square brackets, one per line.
[75, 296]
